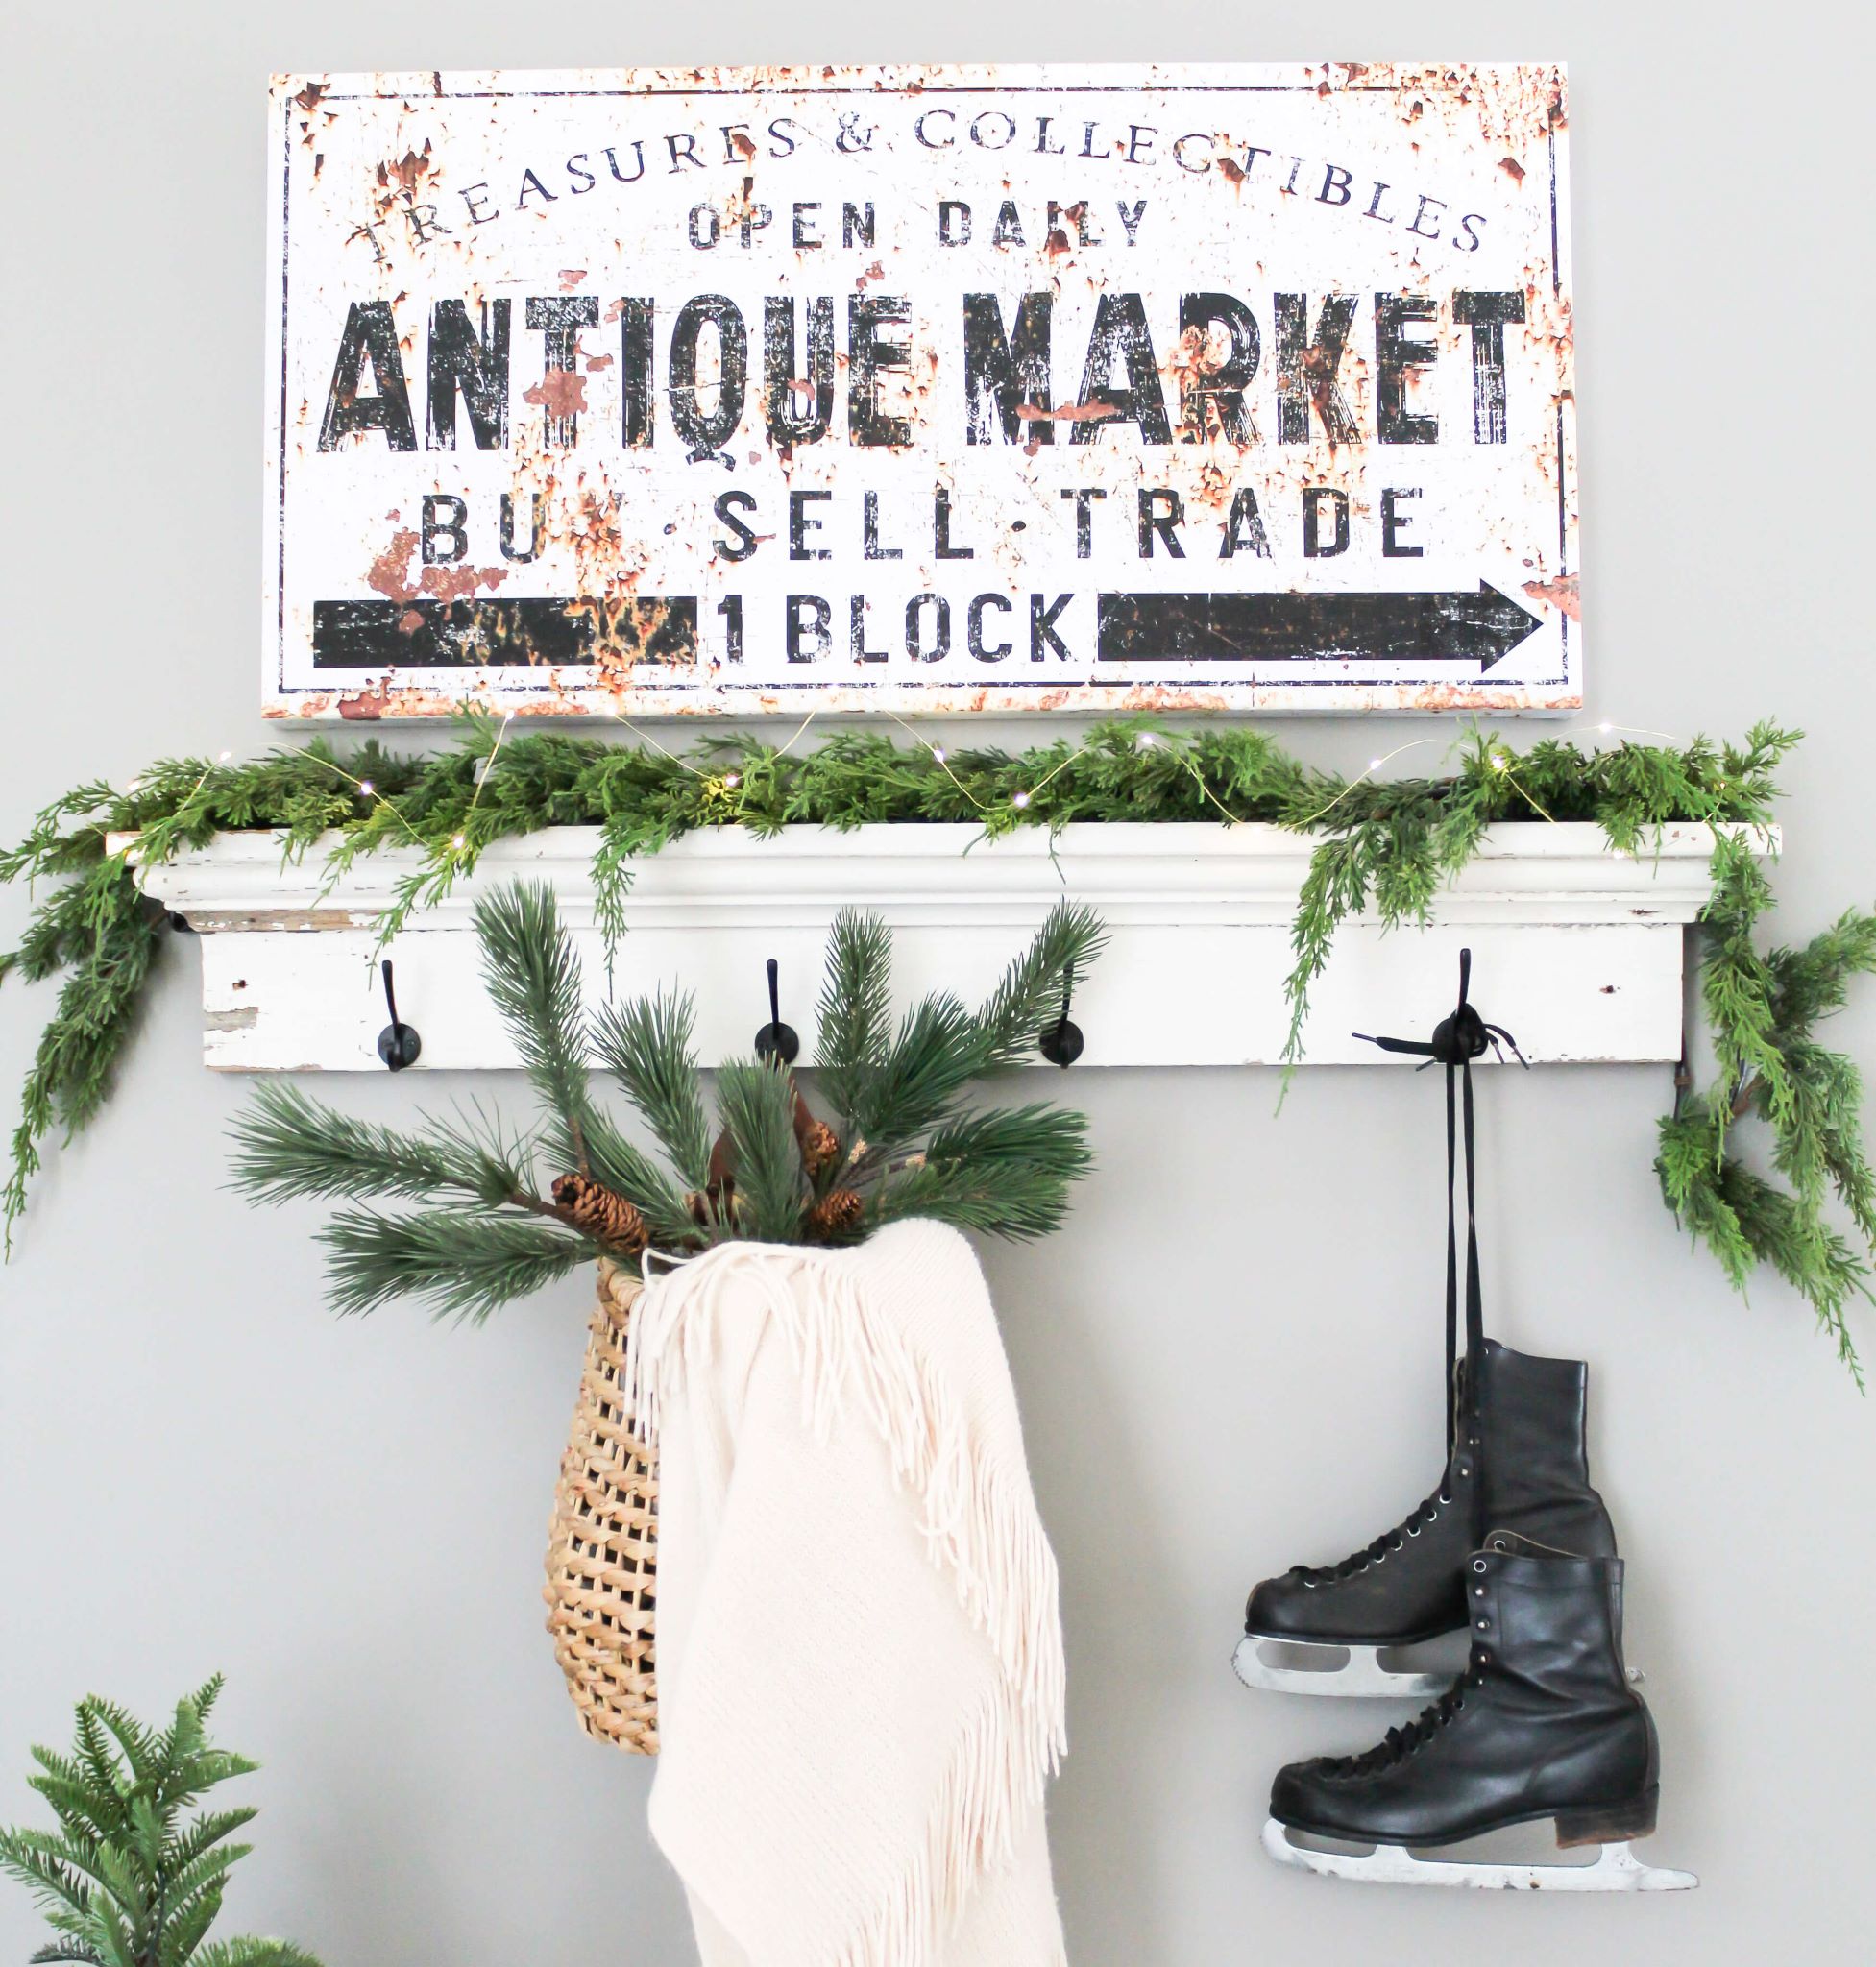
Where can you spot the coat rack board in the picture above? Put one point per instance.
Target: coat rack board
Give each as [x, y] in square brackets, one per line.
[1580, 948]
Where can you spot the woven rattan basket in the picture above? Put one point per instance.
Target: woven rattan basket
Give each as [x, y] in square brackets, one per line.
[602, 1549]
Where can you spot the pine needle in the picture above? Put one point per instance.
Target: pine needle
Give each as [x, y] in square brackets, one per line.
[466, 1265]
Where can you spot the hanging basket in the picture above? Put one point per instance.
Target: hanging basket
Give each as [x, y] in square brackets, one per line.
[601, 1549]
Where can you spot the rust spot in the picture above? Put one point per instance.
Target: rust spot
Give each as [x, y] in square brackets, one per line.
[1069, 413]
[390, 571]
[308, 97]
[1561, 593]
[570, 277]
[367, 707]
[1512, 169]
[560, 392]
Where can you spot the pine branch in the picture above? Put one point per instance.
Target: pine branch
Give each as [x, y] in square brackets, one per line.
[628, 1171]
[647, 1045]
[249, 1951]
[854, 1015]
[288, 1146]
[533, 978]
[1029, 997]
[1020, 1202]
[467, 1265]
[938, 1048]
[757, 1103]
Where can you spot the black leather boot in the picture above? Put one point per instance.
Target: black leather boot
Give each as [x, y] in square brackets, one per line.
[1521, 1467]
[1516, 1460]
[1544, 1723]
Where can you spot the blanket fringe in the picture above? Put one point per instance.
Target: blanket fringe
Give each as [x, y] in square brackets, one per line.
[980, 1526]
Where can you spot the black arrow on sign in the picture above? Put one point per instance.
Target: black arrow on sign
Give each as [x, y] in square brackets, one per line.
[1482, 627]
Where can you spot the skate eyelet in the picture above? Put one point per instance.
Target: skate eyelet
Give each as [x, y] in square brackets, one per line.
[1416, 1533]
[1397, 1544]
[1480, 1566]
[1499, 1543]
[1484, 1625]
[1446, 1502]
[1383, 1558]
[1308, 1584]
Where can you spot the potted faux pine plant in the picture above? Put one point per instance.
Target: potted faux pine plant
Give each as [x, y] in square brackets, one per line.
[501, 1209]
[126, 1880]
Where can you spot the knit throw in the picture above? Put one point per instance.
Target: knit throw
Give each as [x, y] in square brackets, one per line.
[860, 1664]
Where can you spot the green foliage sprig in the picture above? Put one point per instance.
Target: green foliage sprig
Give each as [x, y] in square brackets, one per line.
[124, 1882]
[493, 1230]
[1389, 844]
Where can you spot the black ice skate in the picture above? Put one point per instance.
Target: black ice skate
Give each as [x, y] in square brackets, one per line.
[1543, 1724]
[1514, 1461]
[1520, 1465]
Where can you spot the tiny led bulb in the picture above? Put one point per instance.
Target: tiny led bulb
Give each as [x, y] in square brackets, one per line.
[366, 787]
[732, 779]
[1020, 799]
[225, 756]
[1146, 741]
[459, 840]
[1373, 764]
[938, 752]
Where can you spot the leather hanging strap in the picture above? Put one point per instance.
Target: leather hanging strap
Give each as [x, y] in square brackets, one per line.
[1456, 1041]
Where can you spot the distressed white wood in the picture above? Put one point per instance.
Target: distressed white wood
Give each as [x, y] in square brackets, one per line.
[1576, 949]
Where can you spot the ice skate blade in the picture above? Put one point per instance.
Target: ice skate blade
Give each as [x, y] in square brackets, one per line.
[1617, 1869]
[1363, 1677]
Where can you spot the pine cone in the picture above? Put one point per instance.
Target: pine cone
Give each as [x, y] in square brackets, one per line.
[820, 1147]
[591, 1206]
[836, 1214]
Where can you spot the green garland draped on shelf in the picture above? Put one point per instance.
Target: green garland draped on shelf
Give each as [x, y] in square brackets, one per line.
[1389, 844]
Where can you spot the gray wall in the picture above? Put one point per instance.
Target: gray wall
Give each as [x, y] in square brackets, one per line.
[1228, 1364]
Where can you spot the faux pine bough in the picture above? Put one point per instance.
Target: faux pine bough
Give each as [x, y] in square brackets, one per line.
[126, 1881]
[1383, 843]
[507, 1210]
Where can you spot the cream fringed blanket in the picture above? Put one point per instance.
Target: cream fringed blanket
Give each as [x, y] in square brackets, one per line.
[860, 1669]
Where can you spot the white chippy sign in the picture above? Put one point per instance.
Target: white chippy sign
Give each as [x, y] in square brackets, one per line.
[657, 392]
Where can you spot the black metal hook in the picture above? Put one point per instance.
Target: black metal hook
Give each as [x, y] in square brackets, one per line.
[776, 1041]
[397, 1043]
[1460, 1037]
[1060, 1044]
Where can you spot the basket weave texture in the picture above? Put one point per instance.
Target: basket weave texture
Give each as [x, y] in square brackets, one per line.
[602, 1584]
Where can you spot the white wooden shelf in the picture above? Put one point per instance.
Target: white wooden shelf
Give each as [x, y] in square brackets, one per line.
[1578, 950]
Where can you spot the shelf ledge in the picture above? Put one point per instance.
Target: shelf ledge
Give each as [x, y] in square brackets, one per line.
[1576, 948]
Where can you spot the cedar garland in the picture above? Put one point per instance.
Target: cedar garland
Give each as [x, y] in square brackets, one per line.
[1388, 844]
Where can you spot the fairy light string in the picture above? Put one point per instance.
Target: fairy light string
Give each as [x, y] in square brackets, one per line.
[722, 786]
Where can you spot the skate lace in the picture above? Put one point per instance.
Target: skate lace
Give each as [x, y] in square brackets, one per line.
[1399, 1743]
[1376, 1552]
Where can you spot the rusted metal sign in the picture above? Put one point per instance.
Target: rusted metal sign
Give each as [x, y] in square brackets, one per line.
[666, 392]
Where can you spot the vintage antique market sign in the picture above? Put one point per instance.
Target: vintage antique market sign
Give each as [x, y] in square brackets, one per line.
[922, 389]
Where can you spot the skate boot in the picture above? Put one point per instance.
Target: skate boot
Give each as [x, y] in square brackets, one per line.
[1544, 1723]
[1514, 1461]
[1521, 1467]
